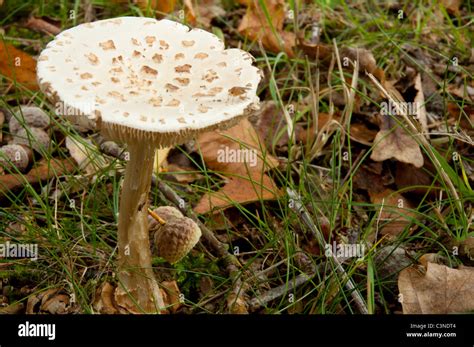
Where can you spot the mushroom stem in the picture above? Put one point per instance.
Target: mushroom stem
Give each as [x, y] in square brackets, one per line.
[134, 263]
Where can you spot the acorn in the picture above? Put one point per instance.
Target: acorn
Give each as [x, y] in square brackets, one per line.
[38, 139]
[14, 155]
[30, 117]
[176, 238]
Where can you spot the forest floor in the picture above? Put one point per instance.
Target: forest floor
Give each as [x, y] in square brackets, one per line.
[349, 191]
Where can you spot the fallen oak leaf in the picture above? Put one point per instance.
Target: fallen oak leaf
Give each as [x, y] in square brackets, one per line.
[239, 190]
[237, 152]
[203, 12]
[171, 295]
[395, 211]
[436, 289]
[419, 102]
[18, 66]
[104, 301]
[393, 141]
[366, 59]
[44, 171]
[88, 160]
[255, 26]
[163, 6]
[324, 52]
[216, 148]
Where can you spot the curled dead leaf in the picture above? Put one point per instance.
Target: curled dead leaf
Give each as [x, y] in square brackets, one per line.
[18, 66]
[395, 212]
[393, 141]
[171, 295]
[255, 26]
[237, 152]
[104, 301]
[436, 289]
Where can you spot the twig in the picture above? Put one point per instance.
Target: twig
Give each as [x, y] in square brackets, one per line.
[298, 207]
[281, 290]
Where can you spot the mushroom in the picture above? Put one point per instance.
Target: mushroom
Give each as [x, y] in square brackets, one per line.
[150, 84]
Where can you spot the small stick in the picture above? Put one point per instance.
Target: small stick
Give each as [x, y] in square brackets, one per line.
[156, 217]
[279, 291]
[305, 216]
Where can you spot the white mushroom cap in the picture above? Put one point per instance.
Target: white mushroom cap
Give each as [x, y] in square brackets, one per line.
[140, 78]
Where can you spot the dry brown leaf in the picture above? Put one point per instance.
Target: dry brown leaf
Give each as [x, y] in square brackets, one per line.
[271, 125]
[44, 171]
[171, 295]
[88, 160]
[160, 156]
[104, 300]
[242, 136]
[183, 174]
[321, 51]
[58, 304]
[236, 304]
[416, 180]
[437, 289]
[394, 211]
[203, 13]
[452, 6]
[238, 152]
[17, 307]
[393, 141]
[362, 134]
[52, 301]
[254, 26]
[2, 120]
[239, 190]
[18, 66]
[315, 51]
[367, 61]
[420, 105]
[164, 6]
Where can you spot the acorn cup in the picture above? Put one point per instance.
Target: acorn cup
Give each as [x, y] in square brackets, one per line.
[174, 239]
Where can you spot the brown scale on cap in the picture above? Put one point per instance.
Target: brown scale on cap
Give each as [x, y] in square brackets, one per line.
[150, 40]
[86, 76]
[107, 45]
[182, 81]
[93, 59]
[157, 58]
[186, 68]
[148, 70]
[201, 56]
